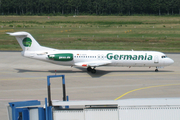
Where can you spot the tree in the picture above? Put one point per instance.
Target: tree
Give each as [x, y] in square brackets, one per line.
[120, 6]
[74, 5]
[110, 5]
[157, 5]
[173, 4]
[89, 6]
[167, 5]
[129, 6]
[178, 5]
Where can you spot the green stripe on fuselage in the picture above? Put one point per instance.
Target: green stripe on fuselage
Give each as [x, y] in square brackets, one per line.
[61, 57]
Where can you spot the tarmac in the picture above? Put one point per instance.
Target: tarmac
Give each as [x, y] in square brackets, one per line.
[24, 79]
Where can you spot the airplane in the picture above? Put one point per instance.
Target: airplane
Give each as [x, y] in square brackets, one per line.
[90, 58]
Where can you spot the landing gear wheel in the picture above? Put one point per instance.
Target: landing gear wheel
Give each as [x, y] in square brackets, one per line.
[156, 70]
[89, 69]
[93, 70]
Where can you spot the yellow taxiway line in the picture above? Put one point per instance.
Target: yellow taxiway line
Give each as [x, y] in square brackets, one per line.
[144, 88]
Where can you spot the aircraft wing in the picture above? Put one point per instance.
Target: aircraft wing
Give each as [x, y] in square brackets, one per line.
[92, 63]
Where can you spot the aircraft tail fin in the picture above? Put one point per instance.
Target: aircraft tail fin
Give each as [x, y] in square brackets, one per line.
[26, 41]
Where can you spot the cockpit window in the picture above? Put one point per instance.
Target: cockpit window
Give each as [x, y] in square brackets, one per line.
[164, 56]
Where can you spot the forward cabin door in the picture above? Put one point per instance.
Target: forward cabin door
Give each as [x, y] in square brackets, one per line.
[156, 59]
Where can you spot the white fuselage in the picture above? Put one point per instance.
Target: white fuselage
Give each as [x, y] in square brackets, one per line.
[113, 58]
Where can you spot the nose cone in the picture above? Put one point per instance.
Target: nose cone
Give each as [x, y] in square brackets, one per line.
[169, 61]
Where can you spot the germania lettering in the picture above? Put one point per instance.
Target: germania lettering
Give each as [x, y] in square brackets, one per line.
[110, 56]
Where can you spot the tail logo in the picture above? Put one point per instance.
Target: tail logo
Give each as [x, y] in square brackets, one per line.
[27, 42]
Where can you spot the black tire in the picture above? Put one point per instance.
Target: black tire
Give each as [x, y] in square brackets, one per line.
[93, 71]
[89, 69]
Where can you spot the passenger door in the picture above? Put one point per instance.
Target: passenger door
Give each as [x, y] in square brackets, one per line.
[156, 59]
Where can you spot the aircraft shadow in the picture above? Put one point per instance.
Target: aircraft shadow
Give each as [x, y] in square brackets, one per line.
[81, 70]
[98, 73]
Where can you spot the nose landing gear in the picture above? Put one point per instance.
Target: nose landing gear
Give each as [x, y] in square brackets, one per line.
[156, 70]
[92, 70]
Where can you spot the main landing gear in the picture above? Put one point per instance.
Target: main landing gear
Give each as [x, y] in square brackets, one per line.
[92, 70]
[156, 70]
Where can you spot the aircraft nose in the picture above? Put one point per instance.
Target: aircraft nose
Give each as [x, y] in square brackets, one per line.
[169, 61]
